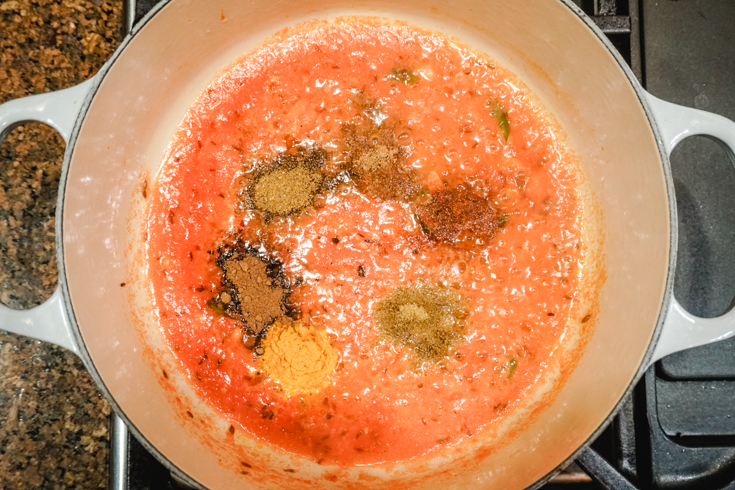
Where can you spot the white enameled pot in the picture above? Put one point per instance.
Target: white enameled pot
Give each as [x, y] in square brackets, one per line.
[118, 124]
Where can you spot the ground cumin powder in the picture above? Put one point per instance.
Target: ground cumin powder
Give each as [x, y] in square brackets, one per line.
[377, 164]
[284, 191]
[298, 357]
[288, 183]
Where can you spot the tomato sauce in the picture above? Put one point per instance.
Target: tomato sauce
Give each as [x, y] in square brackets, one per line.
[348, 251]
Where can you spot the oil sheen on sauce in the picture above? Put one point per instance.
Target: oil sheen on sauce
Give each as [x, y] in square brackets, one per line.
[348, 251]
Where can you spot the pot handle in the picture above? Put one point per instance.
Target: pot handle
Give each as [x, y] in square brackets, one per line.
[681, 329]
[48, 321]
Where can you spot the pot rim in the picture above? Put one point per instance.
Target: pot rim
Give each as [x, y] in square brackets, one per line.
[180, 474]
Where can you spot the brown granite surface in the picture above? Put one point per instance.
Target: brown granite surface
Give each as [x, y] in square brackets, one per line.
[54, 424]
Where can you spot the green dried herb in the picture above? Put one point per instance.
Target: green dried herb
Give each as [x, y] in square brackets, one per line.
[511, 367]
[501, 116]
[219, 309]
[403, 75]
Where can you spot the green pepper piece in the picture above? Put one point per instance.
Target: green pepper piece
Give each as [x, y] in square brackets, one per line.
[501, 116]
[421, 223]
[215, 307]
[404, 75]
[512, 366]
[218, 309]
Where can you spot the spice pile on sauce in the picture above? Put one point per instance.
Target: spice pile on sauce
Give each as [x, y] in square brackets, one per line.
[299, 358]
[365, 242]
[254, 295]
[288, 183]
[426, 319]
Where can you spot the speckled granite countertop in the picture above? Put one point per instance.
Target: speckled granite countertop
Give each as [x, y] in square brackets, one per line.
[54, 423]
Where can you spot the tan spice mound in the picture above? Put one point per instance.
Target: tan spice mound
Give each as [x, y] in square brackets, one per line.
[298, 357]
[375, 158]
[424, 318]
[288, 183]
[281, 192]
[260, 298]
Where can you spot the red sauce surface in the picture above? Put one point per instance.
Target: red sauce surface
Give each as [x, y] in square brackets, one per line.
[519, 287]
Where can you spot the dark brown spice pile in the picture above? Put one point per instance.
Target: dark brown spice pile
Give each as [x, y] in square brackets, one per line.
[377, 163]
[375, 160]
[288, 183]
[260, 298]
[250, 292]
[458, 215]
[424, 318]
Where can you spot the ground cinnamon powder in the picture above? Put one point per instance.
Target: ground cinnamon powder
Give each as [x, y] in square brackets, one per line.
[298, 357]
[260, 298]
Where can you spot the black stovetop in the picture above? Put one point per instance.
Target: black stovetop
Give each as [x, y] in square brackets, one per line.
[677, 430]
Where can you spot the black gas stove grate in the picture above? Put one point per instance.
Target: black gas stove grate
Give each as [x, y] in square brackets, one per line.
[677, 430]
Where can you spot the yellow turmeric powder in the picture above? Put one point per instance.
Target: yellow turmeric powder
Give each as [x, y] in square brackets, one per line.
[298, 357]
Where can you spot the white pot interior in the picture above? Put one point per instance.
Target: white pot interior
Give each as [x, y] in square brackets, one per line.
[157, 77]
